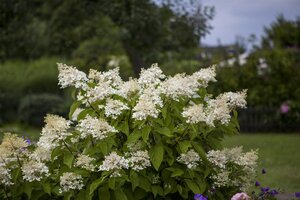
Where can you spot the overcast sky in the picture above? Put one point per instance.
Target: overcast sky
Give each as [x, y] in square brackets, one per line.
[244, 17]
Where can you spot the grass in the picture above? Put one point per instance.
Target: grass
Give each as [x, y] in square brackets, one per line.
[20, 129]
[279, 154]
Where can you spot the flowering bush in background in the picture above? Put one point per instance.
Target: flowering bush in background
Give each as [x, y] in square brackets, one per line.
[154, 137]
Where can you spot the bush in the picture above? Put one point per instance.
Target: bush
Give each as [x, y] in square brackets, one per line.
[147, 138]
[34, 107]
[20, 78]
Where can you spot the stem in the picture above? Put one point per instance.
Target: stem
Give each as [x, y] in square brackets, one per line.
[93, 144]
[5, 192]
[183, 134]
[67, 147]
[97, 113]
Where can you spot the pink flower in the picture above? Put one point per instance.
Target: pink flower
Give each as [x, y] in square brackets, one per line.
[284, 108]
[240, 196]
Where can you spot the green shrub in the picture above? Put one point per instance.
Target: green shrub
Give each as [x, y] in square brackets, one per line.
[147, 138]
[34, 107]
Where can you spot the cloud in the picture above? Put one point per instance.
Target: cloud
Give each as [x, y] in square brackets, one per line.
[241, 17]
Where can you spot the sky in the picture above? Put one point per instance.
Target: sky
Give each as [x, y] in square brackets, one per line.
[246, 17]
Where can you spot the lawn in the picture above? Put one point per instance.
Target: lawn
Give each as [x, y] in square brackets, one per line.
[279, 154]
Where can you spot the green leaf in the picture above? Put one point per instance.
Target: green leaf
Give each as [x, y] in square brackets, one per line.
[144, 183]
[157, 190]
[184, 146]
[164, 112]
[56, 152]
[165, 131]
[84, 113]
[95, 184]
[193, 186]
[199, 149]
[73, 107]
[68, 196]
[82, 195]
[68, 159]
[134, 136]
[134, 178]
[47, 187]
[124, 128]
[27, 189]
[103, 147]
[120, 195]
[157, 155]
[145, 133]
[112, 183]
[177, 172]
[104, 193]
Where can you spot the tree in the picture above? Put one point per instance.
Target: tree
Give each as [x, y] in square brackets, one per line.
[139, 29]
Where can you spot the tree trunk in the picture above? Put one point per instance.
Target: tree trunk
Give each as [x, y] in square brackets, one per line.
[135, 58]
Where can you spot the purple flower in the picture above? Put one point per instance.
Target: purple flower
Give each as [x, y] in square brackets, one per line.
[257, 183]
[263, 171]
[284, 108]
[273, 192]
[199, 197]
[297, 194]
[266, 189]
[28, 141]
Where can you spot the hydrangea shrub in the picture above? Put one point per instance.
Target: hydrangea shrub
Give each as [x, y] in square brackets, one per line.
[154, 137]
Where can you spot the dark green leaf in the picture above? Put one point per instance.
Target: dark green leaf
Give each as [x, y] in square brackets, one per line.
[184, 146]
[74, 106]
[157, 190]
[47, 187]
[27, 188]
[193, 186]
[145, 133]
[120, 195]
[95, 184]
[134, 178]
[165, 131]
[68, 158]
[177, 172]
[157, 155]
[134, 136]
[104, 193]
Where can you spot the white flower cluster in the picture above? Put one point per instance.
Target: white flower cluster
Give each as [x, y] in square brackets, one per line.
[111, 77]
[70, 181]
[55, 130]
[128, 88]
[114, 108]
[149, 89]
[97, 128]
[13, 150]
[34, 170]
[139, 160]
[151, 76]
[182, 85]
[70, 76]
[99, 92]
[216, 110]
[113, 162]
[225, 160]
[41, 154]
[206, 75]
[5, 176]
[148, 104]
[85, 162]
[191, 159]
[194, 114]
